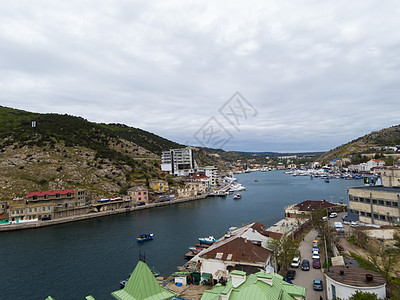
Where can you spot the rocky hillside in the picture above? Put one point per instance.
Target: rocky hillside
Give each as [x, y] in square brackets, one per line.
[63, 151]
[354, 149]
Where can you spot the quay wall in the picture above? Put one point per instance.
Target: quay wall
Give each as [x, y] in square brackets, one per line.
[38, 224]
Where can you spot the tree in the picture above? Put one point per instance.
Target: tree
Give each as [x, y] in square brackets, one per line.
[359, 295]
[384, 259]
[283, 250]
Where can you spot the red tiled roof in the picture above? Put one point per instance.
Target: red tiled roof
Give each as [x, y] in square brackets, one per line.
[50, 193]
[4, 216]
[238, 249]
[314, 205]
[198, 177]
[271, 234]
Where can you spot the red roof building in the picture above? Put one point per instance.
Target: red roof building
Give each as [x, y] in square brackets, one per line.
[70, 192]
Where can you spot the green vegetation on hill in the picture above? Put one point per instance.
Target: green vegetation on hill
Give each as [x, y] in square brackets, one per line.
[354, 149]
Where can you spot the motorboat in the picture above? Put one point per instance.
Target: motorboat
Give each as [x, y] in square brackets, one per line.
[144, 237]
[237, 196]
[207, 240]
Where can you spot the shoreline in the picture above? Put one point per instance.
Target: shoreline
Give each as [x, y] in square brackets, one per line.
[39, 224]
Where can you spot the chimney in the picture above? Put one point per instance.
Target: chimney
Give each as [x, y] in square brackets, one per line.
[369, 277]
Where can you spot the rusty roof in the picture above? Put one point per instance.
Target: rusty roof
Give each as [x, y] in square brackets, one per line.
[50, 193]
[314, 205]
[355, 276]
[238, 249]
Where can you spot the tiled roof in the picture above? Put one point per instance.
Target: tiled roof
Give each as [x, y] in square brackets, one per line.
[238, 249]
[354, 276]
[314, 205]
[4, 216]
[271, 234]
[50, 193]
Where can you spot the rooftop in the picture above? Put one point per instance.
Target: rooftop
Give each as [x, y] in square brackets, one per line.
[355, 276]
[379, 188]
[50, 193]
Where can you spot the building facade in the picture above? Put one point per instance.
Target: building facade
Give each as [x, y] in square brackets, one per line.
[158, 186]
[378, 205]
[179, 162]
[139, 195]
[46, 205]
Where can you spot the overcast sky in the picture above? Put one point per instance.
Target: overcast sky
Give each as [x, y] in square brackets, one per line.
[312, 75]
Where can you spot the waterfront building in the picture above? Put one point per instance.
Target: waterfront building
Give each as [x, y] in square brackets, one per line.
[200, 177]
[4, 218]
[138, 195]
[142, 285]
[158, 185]
[343, 281]
[245, 246]
[256, 286]
[3, 206]
[212, 173]
[378, 205]
[191, 189]
[48, 205]
[306, 207]
[179, 162]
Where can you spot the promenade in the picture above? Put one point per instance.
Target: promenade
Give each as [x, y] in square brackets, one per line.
[38, 224]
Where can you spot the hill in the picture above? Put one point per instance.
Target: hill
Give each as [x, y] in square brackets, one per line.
[63, 151]
[366, 144]
[53, 151]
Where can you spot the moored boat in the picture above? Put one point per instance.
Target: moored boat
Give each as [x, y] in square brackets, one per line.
[237, 196]
[195, 249]
[144, 237]
[207, 240]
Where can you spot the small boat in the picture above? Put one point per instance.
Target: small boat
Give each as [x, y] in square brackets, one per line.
[207, 240]
[144, 237]
[237, 196]
[255, 180]
[195, 249]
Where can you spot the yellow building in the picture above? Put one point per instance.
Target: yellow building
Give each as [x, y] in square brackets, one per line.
[158, 185]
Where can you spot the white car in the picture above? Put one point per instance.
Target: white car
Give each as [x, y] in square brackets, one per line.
[295, 262]
[324, 218]
[333, 215]
[315, 255]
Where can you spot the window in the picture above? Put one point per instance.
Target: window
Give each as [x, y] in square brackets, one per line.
[362, 199]
[351, 198]
[388, 203]
[356, 212]
[30, 210]
[381, 202]
[43, 208]
[395, 204]
[376, 216]
[374, 201]
[362, 213]
[367, 200]
[369, 215]
[382, 217]
[57, 195]
[35, 209]
[34, 197]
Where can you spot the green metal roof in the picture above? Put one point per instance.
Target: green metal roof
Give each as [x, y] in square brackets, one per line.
[256, 289]
[142, 285]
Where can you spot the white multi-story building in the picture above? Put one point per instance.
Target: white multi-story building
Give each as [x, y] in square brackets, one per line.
[179, 162]
[212, 173]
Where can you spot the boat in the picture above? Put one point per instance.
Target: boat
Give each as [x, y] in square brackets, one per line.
[144, 237]
[195, 249]
[255, 180]
[207, 240]
[237, 196]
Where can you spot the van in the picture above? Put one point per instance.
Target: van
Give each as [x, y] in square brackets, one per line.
[338, 226]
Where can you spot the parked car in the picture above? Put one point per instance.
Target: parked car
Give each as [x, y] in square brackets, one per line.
[290, 274]
[333, 215]
[315, 248]
[315, 255]
[305, 265]
[316, 264]
[295, 262]
[317, 285]
[324, 218]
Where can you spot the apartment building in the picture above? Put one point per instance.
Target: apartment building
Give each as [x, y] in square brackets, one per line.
[378, 205]
[46, 205]
[179, 162]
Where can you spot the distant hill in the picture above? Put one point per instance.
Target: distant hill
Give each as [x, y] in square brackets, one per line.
[354, 149]
[63, 151]
[277, 154]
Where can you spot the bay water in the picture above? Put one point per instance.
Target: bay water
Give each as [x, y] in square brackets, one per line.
[71, 261]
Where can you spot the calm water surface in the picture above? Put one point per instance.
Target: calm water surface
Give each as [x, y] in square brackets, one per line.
[74, 260]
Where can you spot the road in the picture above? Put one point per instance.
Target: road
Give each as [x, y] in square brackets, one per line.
[306, 278]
